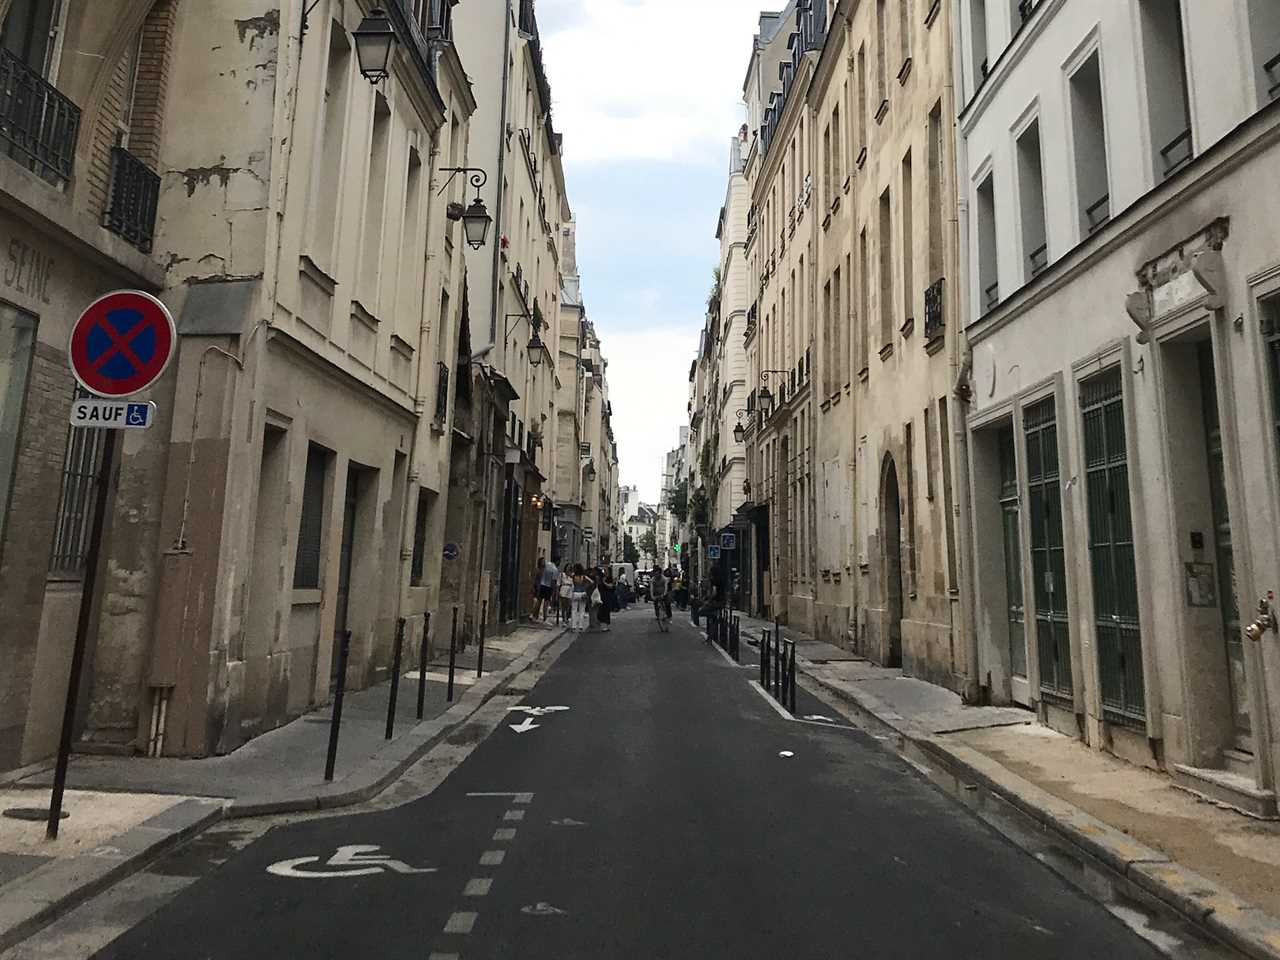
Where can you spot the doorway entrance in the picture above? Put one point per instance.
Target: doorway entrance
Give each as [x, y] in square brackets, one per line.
[1010, 525]
[891, 525]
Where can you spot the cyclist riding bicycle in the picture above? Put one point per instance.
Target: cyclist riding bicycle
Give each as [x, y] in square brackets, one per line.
[660, 593]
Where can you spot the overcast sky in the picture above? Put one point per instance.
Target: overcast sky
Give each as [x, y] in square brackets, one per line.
[647, 94]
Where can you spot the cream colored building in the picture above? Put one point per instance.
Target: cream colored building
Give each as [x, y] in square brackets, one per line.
[290, 491]
[1118, 162]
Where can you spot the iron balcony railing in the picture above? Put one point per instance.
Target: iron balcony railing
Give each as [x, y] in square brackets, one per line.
[1176, 154]
[934, 322]
[1098, 212]
[992, 294]
[442, 391]
[1039, 258]
[36, 120]
[131, 203]
[1025, 9]
[1272, 69]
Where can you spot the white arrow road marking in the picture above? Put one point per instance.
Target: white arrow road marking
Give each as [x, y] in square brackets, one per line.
[543, 909]
[536, 711]
[818, 716]
[525, 725]
[785, 753]
[567, 822]
[362, 859]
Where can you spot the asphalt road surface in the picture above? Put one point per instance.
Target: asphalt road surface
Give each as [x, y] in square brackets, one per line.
[669, 812]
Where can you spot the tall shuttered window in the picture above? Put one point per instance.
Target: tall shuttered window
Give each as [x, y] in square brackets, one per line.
[306, 567]
[1111, 556]
[1048, 563]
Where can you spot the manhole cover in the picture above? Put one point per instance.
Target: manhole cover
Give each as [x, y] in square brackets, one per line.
[38, 814]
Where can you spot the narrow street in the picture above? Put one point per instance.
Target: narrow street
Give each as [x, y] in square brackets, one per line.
[669, 811]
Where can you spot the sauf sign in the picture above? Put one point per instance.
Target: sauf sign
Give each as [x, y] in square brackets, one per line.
[113, 414]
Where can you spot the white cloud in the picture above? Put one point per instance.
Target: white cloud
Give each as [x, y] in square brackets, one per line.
[649, 387]
[648, 79]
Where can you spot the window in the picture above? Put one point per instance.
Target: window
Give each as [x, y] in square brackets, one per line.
[948, 513]
[1264, 30]
[828, 360]
[1012, 543]
[864, 301]
[77, 501]
[1270, 308]
[410, 253]
[882, 54]
[1090, 148]
[1111, 553]
[978, 39]
[936, 199]
[827, 195]
[1048, 564]
[29, 29]
[886, 271]
[908, 247]
[988, 272]
[1168, 111]
[837, 151]
[929, 464]
[328, 167]
[306, 566]
[862, 106]
[904, 34]
[837, 335]
[17, 341]
[420, 537]
[845, 320]
[1031, 201]
[910, 546]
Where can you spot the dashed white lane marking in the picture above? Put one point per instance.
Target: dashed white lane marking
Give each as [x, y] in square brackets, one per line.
[513, 815]
[777, 707]
[492, 858]
[515, 797]
[442, 956]
[478, 887]
[461, 922]
[504, 833]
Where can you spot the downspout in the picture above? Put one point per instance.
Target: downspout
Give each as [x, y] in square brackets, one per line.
[961, 378]
[497, 202]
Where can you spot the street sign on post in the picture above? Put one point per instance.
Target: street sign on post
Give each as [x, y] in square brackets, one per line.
[713, 551]
[121, 344]
[728, 541]
[113, 414]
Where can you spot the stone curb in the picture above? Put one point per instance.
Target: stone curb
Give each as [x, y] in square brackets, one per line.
[50, 891]
[1198, 899]
[378, 771]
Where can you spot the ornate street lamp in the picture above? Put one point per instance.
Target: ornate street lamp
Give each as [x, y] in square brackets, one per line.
[764, 393]
[535, 349]
[739, 430]
[375, 39]
[475, 218]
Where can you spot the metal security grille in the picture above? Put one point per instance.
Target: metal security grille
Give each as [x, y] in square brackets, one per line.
[1012, 553]
[1048, 564]
[1111, 559]
[76, 500]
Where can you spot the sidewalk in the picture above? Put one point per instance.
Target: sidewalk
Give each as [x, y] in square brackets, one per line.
[125, 811]
[1218, 868]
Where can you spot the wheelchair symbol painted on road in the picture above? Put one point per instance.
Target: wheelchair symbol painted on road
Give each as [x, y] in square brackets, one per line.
[357, 860]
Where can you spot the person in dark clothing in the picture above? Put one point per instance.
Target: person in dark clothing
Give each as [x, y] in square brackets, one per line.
[608, 598]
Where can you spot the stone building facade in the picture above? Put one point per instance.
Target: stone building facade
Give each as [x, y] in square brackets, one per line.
[1123, 291]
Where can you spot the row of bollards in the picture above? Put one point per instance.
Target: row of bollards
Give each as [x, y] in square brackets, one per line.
[397, 657]
[778, 667]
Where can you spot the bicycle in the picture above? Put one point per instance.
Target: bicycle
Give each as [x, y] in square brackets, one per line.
[662, 611]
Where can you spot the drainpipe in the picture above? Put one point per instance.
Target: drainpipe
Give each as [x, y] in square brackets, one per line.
[965, 558]
[497, 202]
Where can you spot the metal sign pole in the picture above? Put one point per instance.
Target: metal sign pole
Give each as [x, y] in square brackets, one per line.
[102, 500]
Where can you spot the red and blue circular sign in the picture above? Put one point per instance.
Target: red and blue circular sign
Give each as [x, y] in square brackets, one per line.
[122, 343]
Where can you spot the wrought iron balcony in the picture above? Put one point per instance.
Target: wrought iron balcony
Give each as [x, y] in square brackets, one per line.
[1176, 154]
[1039, 258]
[37, 121]
[131, 203]
[442, 391]
[934, 319]
[992, 294]
[1272, 69]
[1098, 212]
[1025, 9]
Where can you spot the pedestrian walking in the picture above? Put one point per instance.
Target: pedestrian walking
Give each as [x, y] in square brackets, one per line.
[608, 599]
[579, 598]
[548, 575]
[565, 598]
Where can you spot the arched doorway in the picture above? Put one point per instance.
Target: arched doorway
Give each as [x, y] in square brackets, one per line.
[891, 527]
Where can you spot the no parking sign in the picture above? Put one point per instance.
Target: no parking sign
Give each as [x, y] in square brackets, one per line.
[121, 344]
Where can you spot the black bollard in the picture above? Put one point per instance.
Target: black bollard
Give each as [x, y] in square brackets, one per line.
[335, 720]
[453, 655]
[791, 674]
[422, 665]
[765, 642]
[395, 677]
[480, 654]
